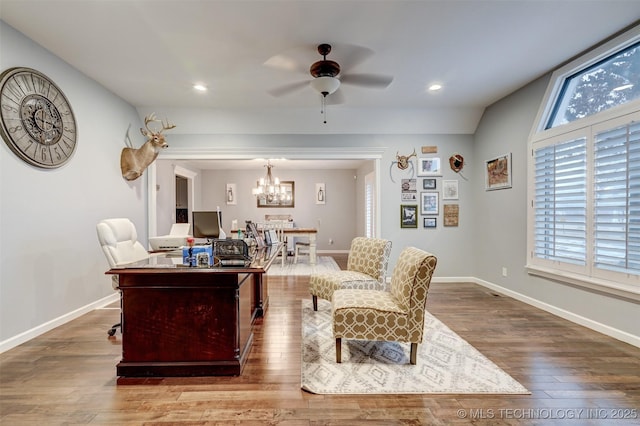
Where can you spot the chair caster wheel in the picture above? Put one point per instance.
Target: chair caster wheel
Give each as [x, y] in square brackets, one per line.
[111, 332]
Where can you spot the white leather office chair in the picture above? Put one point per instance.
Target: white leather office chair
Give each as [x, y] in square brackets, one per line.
[119, 241]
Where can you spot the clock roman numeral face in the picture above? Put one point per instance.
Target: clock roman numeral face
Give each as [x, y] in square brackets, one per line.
[37, 121]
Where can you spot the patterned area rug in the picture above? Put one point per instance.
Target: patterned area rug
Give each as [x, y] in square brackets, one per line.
[446, 362]
[324, 264]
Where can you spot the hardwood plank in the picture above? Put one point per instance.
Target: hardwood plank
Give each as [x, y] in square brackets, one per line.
[67, 376]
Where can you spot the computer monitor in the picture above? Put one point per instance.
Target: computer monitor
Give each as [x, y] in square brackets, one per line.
[206, 224]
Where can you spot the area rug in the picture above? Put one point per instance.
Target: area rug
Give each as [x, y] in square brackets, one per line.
[324, 264]
[446, 363]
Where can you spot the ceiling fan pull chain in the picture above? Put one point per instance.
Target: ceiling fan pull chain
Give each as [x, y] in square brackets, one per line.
[323, 108]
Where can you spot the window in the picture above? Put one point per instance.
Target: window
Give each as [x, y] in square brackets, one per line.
[560, 201]
[584, 172]
[606, 84]
[617, 199]
[369, 203]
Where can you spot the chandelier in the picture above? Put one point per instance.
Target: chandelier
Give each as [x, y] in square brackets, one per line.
[269, 188]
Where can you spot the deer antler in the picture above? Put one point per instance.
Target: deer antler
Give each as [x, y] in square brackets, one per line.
[167, 126]
[151, 118]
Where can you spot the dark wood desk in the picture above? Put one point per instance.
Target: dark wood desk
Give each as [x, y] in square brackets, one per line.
[181, 321]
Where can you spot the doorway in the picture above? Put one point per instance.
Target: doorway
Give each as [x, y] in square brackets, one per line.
[182, 199]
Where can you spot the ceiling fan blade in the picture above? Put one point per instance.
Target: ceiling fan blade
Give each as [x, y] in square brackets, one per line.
[285, 62]
[288, 88]
[376, 81]
[336, 98]
[351, 55]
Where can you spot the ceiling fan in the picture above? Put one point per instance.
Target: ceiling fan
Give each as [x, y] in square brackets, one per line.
[328, 75]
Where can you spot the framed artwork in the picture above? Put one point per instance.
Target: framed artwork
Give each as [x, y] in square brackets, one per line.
[409, 192]
[449, 189]
[287, 198]
[429, 166]
[429, 222]
[498, 173]
[408, 216]
[321, 193]
[429, 203]
[451, 213]
[428, 184]
[231, 194]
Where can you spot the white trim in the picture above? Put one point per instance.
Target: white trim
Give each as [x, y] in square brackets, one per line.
[245, 153]
[562, 313]
[626, 291]
[250, 153]
[19, 339]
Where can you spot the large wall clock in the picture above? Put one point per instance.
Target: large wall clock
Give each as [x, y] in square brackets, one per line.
[37, 121]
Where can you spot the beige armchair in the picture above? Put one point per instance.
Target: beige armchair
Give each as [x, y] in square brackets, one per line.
[366, 269]
[395, 315]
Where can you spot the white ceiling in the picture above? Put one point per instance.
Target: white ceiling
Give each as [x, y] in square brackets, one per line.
[151, 52]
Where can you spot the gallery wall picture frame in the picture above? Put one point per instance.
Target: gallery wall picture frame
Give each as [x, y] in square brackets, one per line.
[409, 191]
[428, 183]
[231, 194]
[498, 173]
[429, 203]
[429, 166]
[429, 222]
[321, 193]
[451, 214]
[408, 216]
[288, 201]
[449, 189]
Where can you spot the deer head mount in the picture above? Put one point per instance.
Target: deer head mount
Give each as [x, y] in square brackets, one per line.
[134, 161]
[403, 160]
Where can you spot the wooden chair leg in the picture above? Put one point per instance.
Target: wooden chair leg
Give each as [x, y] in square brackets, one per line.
[315, 302]
[414, 353]
[338, 350]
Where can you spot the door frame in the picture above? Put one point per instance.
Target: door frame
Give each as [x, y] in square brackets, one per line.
[301, 153]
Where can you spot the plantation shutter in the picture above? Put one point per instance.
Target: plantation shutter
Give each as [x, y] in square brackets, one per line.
[560, 202]
[617, 199]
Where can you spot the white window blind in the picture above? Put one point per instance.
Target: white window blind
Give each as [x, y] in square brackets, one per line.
[560, 202]
[617, 199]
[369, 206]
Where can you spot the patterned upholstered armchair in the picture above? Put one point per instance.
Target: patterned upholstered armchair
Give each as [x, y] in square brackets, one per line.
[366, 269]
[395, 315]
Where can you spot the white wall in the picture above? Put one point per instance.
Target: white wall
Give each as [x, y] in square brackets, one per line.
[500, 225]
[51, 264]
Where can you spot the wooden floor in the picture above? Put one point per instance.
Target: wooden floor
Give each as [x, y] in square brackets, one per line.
[576, 376]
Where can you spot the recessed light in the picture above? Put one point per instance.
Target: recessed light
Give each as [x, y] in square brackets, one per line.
[435, 87]
[200, 87]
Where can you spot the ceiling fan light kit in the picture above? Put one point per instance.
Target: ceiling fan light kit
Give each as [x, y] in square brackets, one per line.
[325, 85]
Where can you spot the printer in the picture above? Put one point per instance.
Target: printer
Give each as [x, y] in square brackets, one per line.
[175, 240]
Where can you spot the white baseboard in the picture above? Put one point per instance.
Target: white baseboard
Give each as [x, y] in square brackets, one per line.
[562, 313]
[50, 325]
